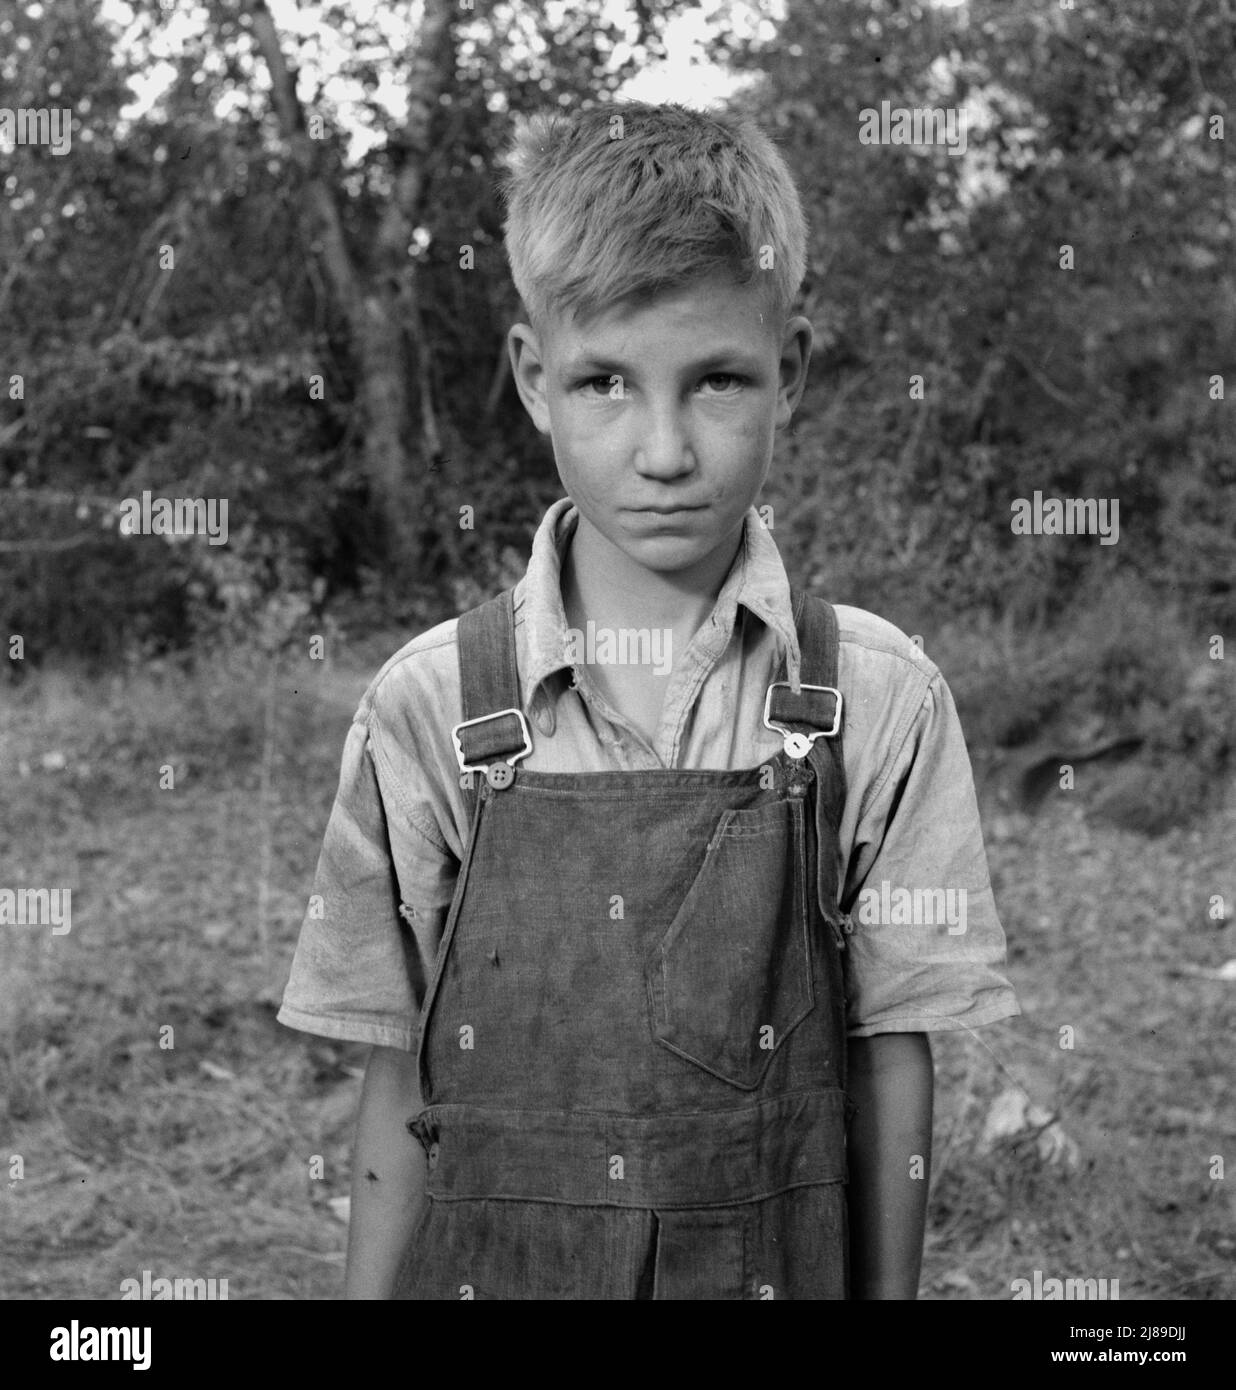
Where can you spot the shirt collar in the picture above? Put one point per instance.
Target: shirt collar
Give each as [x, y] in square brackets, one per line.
[757, 580]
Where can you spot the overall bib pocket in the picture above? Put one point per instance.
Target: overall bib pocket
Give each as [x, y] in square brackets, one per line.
[732, 976]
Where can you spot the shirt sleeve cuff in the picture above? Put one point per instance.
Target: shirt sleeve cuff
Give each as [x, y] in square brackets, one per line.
[1003, 1006]
[348, 1028]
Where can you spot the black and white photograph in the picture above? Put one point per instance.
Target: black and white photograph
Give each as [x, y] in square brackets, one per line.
[619, 678]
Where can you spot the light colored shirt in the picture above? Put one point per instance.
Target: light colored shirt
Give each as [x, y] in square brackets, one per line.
[927, 942]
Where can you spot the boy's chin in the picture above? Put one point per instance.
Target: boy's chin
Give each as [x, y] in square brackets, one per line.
[670, 553]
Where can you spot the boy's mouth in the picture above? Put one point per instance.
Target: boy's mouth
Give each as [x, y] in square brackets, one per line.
[664, 511]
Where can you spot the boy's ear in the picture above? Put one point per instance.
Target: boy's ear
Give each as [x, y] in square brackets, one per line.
[528, 370]
[796, 342]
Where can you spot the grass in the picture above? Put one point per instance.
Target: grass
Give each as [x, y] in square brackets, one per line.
[195, 1160]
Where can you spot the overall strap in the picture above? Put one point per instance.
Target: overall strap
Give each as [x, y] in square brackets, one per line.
[489, 682]
[819, 641]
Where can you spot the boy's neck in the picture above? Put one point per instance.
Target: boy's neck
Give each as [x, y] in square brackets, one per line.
[601, 583]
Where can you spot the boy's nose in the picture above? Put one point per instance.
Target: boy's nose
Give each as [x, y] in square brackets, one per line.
[665, 450]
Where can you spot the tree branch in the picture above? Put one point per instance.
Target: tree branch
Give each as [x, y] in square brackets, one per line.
[37, 546]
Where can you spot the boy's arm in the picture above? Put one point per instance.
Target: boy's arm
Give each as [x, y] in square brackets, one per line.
[388, 1174]
[890, 1084]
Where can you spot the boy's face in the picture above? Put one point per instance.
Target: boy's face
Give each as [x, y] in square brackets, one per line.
[665, 461]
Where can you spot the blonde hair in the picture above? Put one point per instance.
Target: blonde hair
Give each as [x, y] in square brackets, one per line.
[630, 199]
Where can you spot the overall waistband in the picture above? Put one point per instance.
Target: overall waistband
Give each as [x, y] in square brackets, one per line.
[695, 1159]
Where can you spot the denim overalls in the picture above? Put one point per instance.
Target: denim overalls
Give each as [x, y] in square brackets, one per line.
[633, 1049]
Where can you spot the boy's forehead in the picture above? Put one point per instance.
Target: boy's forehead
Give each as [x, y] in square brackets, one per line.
[710, 316]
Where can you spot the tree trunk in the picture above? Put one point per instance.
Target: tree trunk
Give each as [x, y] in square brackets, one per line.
[379, 315]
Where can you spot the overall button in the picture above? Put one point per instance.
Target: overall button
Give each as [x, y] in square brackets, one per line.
[499, 775]
[797, 745]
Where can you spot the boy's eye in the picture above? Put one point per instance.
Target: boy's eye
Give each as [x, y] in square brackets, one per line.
[606, 384]
[611, 386]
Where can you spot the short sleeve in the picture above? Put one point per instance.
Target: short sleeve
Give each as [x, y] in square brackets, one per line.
[368, 937]
[927, 949]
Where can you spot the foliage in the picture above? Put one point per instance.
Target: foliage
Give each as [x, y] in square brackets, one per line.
[1095, 382]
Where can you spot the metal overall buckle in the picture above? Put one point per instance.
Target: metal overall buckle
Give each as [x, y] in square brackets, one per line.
[498, 774]
[799, 745]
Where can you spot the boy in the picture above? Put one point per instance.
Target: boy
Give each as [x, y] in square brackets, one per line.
[589, 913]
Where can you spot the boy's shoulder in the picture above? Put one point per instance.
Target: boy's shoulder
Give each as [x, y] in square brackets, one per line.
[420, 670]
[882, 646]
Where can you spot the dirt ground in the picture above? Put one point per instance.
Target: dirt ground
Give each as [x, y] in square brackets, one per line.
[192, 1153]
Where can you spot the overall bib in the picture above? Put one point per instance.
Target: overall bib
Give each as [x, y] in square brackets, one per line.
[633, 1048]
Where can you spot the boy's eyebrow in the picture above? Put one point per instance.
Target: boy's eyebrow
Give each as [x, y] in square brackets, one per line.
[722, 357]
